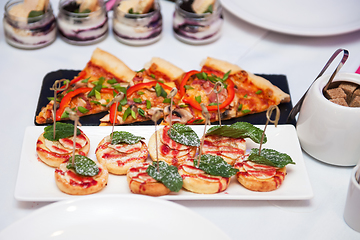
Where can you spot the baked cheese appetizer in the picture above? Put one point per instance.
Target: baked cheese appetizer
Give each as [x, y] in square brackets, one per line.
[120, 150]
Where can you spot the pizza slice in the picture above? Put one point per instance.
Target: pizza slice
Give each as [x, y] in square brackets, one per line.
[243, 93]
[152, 84]
[90, 91]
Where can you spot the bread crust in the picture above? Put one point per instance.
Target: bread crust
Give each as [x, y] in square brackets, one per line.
[141, 183]
[112, 64]
[170, 72]
[259, 185]
[53, 159]
[168, 158]
[197, 181]
[121, 162]
[82, 185]
[223, 66]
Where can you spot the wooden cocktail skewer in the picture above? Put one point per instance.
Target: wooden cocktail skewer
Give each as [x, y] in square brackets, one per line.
[73, 116]
[155, 117]
[171, 95]
[217, 89]
[268, 116]
[56, 87]
[206, 115]
[115, 100]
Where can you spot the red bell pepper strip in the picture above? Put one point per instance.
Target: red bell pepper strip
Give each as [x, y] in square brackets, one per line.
[65, 101]
[80, 76]
[113, 112]
[185, 79]
[193, 120]
[231, 94]
[131, 90]
[139, 86]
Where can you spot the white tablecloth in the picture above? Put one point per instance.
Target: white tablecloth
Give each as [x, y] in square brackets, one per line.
[254, 49]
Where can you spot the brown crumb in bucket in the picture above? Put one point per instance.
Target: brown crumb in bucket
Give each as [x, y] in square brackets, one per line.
[339, 101]
[335, 93]
[355, 102]
[344, 94]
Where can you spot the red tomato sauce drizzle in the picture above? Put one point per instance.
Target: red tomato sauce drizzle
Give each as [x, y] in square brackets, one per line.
[203, 176]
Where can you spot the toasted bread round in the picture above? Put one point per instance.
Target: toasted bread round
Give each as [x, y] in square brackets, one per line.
[141, 183]
[170, 152]
[197, 181]
[119, 158]
[71, 183]
[260, 181]
[228, 148]
[55, 153]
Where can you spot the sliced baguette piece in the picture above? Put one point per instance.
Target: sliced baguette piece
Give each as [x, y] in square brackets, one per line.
[200, 6]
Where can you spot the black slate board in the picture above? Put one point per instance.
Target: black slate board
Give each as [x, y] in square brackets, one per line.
[94, 120]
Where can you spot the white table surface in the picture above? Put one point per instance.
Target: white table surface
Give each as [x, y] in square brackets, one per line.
[254, 49]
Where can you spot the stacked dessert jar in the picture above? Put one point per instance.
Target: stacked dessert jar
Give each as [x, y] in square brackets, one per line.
[197, 28]
[29, 27]
[133, 28]
[82, 26]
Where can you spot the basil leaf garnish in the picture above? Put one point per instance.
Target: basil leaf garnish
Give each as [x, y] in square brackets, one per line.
[125, 137]
[83, 166]
[238, 130]
[215, 165]
[270, 157]
[183, 134]
[167, 174]
[63, 130]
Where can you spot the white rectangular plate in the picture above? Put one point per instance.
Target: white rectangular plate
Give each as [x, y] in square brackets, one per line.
[36, 182]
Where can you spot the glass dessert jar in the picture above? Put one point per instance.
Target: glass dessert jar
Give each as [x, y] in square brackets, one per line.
[137, 28]
[26, 28]
[197, 28]
[82, 27]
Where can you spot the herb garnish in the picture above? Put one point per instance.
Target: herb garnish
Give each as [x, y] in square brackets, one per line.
[183, 134]
[270, 157]
[112, 81]
[141, 112]
[34, 14]
[215, 165]
[83, 166]
[148, 104]
[83, 110]
[160, 91]
[238, 130]
[213, 78]
[125, 137]
[209, 9]
[129, 112]
[97, 88]
[63, 130]
[167, 174]
[198, 98]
